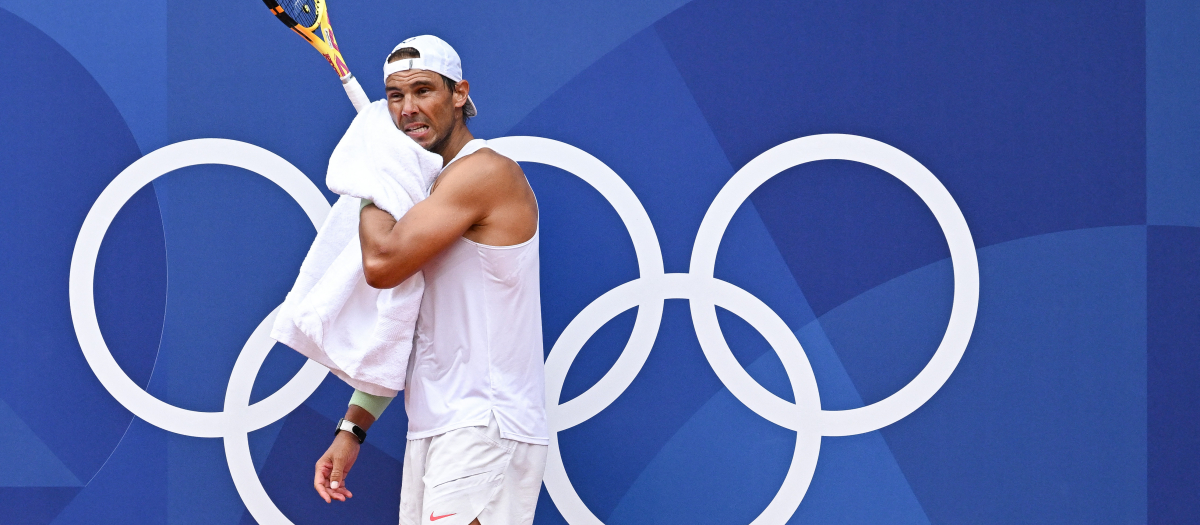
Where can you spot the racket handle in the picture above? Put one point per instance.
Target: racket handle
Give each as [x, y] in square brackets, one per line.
[358, 97]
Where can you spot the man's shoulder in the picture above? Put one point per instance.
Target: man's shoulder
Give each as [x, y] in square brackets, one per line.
[487, 160]
[484, 166]
[483, 171]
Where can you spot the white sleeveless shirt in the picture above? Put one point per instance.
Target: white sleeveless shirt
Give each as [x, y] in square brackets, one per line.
[478, 348]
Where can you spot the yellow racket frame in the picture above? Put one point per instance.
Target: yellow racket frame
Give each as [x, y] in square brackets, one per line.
[319, 35]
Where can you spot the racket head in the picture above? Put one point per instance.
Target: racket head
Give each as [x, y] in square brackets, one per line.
[310, 20]
[308, 14]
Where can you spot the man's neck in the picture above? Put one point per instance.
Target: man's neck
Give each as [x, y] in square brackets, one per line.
[458, 138]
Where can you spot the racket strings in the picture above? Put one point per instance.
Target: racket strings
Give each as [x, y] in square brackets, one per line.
[304, 12]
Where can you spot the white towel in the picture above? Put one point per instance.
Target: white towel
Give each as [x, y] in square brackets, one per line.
[332, 316]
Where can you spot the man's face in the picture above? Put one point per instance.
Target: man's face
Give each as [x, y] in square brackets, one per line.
[422, 107]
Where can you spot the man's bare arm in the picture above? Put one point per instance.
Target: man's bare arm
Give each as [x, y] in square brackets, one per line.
[393, 251]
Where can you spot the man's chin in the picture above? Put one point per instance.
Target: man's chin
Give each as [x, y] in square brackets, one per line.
[433, 144]
[425, 143]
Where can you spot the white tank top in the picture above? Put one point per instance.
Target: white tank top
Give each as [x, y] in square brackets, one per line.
[478, 348]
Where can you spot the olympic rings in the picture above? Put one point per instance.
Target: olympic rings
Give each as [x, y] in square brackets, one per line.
[648, 293]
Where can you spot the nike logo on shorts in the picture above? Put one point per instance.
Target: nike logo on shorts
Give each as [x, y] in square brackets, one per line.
[435, 518]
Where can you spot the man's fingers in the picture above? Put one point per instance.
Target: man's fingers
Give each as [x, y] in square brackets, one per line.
[320, 479]
[341, 493]
[319, 484]
[324, 495]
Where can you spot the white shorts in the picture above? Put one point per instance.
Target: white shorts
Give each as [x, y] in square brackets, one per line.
[468, 473]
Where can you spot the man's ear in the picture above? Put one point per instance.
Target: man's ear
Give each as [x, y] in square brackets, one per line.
[461, 89]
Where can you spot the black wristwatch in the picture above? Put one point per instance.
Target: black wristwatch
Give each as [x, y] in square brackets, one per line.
[350, 427]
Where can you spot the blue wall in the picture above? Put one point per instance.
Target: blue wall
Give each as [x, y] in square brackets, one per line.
[1067, 132]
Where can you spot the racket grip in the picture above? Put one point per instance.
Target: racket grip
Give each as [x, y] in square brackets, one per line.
[358, 97]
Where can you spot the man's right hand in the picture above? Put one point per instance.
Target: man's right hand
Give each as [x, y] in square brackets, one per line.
[330, 480]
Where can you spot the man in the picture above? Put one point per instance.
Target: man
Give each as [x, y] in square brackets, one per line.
[475, 392]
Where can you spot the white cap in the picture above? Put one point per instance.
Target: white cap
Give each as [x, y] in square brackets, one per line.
[436, 56]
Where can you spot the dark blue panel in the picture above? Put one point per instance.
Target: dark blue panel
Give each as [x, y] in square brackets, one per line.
[131, 285]
[61, 142]
[547, 513]
[34, 505]
[846, 227]
[598, 355]
[1031, 113]
[1173, 338]
[234, 243]
[748, 345]
[281, 365]
[583, 255]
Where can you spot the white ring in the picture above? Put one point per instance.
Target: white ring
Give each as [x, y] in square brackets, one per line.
[239, 417]
[83, 269]
[962, 255]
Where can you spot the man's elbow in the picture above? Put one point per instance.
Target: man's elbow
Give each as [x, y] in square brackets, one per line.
[375, 271]
[378, 282]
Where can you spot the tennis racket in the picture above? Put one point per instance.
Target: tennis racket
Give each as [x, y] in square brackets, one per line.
[310, 20]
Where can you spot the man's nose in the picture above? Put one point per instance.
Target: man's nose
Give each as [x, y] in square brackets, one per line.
[409, 108]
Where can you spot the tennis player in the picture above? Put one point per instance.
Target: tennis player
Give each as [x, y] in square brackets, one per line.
[475, 394]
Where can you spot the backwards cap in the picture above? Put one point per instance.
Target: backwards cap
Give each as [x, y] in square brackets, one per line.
[436, 56]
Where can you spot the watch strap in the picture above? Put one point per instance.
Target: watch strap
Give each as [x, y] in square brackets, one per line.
[350, 427]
